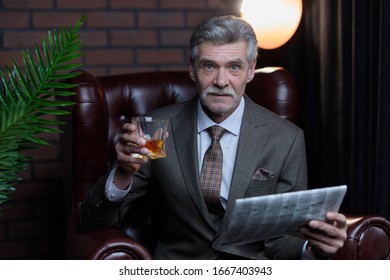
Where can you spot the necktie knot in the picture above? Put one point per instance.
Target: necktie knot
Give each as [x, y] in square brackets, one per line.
[216, 132]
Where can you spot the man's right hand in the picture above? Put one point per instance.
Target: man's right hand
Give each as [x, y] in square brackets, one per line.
[128, 148]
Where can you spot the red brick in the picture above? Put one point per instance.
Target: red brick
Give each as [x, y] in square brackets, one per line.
[15, 249]
[134, 38]
[225, 7]
[52, 136]
[96, 70]
[180, 4]
[44, 152]
[175, 37]
[109, 56]
[26, 173]
[194, 18]
[2, 231]
[84, 4]
[131, 69]
[14, 20]
[5, 58]
[49, 136]
[28, 4]
[50, 246]
[48, 170]
[133, 4]
[22, 39]
[37, 190]
[92, 38]
[160, 56]
[14, 211]
[160, 20]
[178, 67]
[111, 44]
[48, 208]
[111, 19]
[52, 20]
[221, 5]
[33, 228]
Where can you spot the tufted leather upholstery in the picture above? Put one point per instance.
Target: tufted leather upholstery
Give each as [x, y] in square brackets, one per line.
[368, 238]
[103, 104]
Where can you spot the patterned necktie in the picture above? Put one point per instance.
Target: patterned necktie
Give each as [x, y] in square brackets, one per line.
[211, 174]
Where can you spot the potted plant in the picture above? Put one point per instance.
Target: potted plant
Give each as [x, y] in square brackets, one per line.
[28, 98]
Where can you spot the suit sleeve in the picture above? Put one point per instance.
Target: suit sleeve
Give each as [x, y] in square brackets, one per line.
[97, 211]
[294, 174]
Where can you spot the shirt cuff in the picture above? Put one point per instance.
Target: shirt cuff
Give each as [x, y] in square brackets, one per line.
[112, 192]
[305, 253]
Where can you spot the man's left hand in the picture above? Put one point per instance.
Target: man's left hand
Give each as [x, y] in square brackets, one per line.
[326, 238]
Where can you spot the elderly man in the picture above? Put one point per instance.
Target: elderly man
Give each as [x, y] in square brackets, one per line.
[246, 140]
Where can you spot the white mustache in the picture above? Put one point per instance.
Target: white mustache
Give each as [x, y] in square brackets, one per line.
[214, 90]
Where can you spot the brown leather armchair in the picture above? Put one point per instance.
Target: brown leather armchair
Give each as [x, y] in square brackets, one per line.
[103, 104]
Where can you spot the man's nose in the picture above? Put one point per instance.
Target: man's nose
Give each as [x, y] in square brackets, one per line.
[221, 79]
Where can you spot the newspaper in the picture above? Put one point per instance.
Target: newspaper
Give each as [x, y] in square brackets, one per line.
[262, 217]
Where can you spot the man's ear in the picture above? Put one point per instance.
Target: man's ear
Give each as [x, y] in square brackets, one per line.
[251, 71]
[192, 73]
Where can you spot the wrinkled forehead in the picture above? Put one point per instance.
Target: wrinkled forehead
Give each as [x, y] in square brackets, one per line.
[230, 51]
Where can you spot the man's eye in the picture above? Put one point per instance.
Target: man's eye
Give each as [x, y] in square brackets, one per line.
[208, 66]
[235, 67]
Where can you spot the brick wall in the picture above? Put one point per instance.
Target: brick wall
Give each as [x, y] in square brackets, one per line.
[119, 36]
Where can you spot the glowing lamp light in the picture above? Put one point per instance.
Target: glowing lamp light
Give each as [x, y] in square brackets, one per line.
[274, 21]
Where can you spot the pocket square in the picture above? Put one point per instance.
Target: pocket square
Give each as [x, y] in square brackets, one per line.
[262, 174]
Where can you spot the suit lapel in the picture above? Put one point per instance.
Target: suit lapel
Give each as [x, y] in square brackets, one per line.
[253, 135]
[185, 136]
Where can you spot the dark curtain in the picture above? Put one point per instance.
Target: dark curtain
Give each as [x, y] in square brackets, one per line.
[339, 58]
[346, 97]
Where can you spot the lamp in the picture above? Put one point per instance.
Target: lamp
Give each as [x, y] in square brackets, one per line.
[274, 21]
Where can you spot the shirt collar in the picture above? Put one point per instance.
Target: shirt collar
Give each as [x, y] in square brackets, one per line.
[232, 123]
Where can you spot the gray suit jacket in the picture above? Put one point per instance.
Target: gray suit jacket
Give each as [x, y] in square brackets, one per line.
[267, 144]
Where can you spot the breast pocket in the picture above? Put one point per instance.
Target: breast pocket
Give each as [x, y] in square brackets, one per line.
[264, 187]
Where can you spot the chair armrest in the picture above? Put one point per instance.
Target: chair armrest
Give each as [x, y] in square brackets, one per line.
[368, 238]
[102, 244]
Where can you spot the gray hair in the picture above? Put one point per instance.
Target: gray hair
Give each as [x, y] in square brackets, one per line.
[222, 30]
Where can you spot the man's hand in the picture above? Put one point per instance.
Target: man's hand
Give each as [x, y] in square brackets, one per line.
[326, 238]
[129, 147]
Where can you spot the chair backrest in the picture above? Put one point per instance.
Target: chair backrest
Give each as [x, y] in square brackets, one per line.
[104, 104]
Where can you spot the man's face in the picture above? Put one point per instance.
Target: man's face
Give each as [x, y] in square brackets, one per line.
[221, 74]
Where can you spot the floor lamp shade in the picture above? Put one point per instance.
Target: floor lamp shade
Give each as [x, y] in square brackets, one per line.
[274, 21]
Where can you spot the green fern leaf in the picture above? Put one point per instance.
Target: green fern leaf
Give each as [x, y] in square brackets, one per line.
[26, 98]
